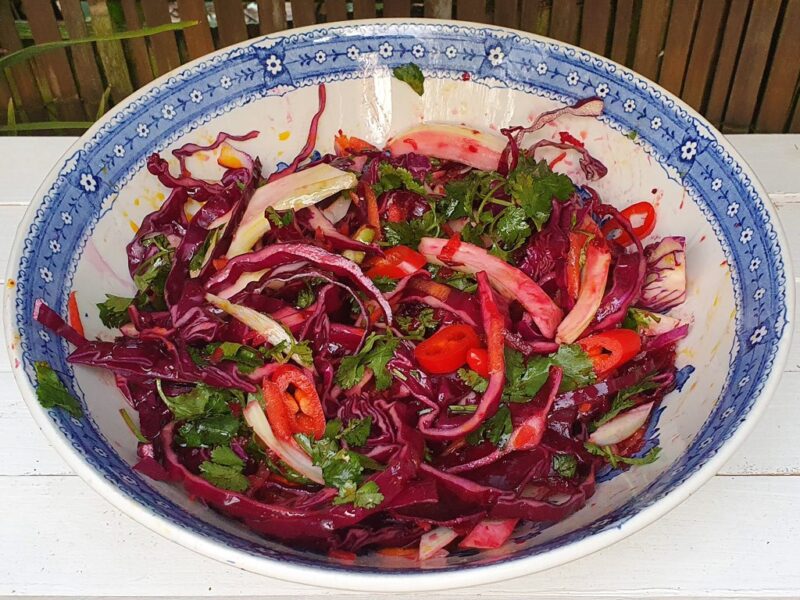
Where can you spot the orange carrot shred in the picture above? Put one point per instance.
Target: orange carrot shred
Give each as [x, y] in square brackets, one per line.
[74, 314]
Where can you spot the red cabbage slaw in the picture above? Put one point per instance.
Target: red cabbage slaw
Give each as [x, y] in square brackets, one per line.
[408, 350]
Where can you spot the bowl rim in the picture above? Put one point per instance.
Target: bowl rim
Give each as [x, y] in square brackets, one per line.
[405, 581]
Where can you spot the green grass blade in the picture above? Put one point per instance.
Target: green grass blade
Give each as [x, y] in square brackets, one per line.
[30, 51]
[45, 125]
[101, 109]
[11, 117]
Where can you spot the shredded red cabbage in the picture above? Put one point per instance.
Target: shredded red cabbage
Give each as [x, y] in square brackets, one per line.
[427, 395]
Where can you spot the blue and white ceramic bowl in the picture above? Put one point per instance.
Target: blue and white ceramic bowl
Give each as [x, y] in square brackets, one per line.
[655, 147]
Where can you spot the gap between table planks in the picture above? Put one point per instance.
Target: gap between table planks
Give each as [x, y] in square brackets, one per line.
[721, 557]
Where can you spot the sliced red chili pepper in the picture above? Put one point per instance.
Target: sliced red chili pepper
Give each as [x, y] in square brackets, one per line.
[611, 349]
[478, 361]
[74, 313]
[446, 350]
[450, 248]
[293, 405]
[397, 262]
[642, 217]
[373, 217]
[219, 263]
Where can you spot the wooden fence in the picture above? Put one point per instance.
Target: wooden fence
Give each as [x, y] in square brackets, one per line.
[736, 61]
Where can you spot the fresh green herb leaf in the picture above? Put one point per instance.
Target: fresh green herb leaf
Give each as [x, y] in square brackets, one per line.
[246, 358]
[305, 298]
[525, 379]
[216, 430]
[624, 400]
[615, 459]
[332, 429]
[375, 355]
[224, 476]
[223, 455]
[51, 393]
[203, 253]
[496, 429]
[367, 496]
[473, 380]
[463, 409]
[284, 351]
[639, 320]
[632, 134]
[357, 431]
[565, 465]
[151, 276]
[137, 433]
[385, 284]
[533, 186]
[114, 311]
[418, 326]
[280, 219]
[409, 233]
[412, 75]
[512, 228]
[577, 366]
[392, 178]
[202, 400]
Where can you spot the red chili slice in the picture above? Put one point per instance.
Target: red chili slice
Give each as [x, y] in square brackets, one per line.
[478, 361]
[642, 217]
[293, 405]
[446, 350]
[397, 262]
[611, 349]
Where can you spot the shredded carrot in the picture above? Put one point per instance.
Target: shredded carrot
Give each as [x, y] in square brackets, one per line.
[558, 159]
[409, 553]
[372, 210]
[343, 555]
[74, 314]
[219, 263]
[355, 198]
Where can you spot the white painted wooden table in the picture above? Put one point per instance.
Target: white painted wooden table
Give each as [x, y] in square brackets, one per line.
[739, 536]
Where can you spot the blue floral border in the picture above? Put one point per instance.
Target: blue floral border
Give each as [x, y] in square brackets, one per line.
[685, 146]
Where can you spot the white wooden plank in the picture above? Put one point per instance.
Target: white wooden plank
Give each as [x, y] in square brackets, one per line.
[771, 449]
[774, 159]
[749, 548]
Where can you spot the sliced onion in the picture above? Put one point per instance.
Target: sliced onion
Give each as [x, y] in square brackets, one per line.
[337, 209]
[434, 540]
[258, 322]
[289, 452]
[621, 427]
[292, 192]
[451, 142]
[489, 533]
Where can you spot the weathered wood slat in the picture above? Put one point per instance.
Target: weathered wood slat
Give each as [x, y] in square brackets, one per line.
[335, 10]
[506, 13]
[650, 37]
[22, 74]
[137, 47]
[198, 38]
[439, 9]
[471, 10]
[596, 21]
[230, 22]
[364, 9]
[535, 16]
[303, 13]
[705, 48]
[111, 53]
[271, 15]
[5, 98]
[680, 33]
[54, 64]
[565, 20]
[751, 66]
[726, 62]
[776, 105]
[163, 45]
[90, 84]
[621, 42]
[397, 8]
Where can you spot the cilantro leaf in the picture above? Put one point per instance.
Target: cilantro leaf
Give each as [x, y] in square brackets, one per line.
[533, 186]
[412, 75]
[209, 431]
[368, 495]
[417, 326]
[565, 465]
[385, 284]
[473, 380]
[224, 470]
[114, 311]
[280, 219]
[203, 399]
[305, 298]
[512, 228]
[525, 379]
[246, 358]
[203, 253]
[151, 276]
[378, 350]
[615, 459]
[392, 178]
[577, 366]
[357, 431]
[496, 429]
[409, 233]
[639, 320]
[284, 351]
[51, 393]
[624, 400]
